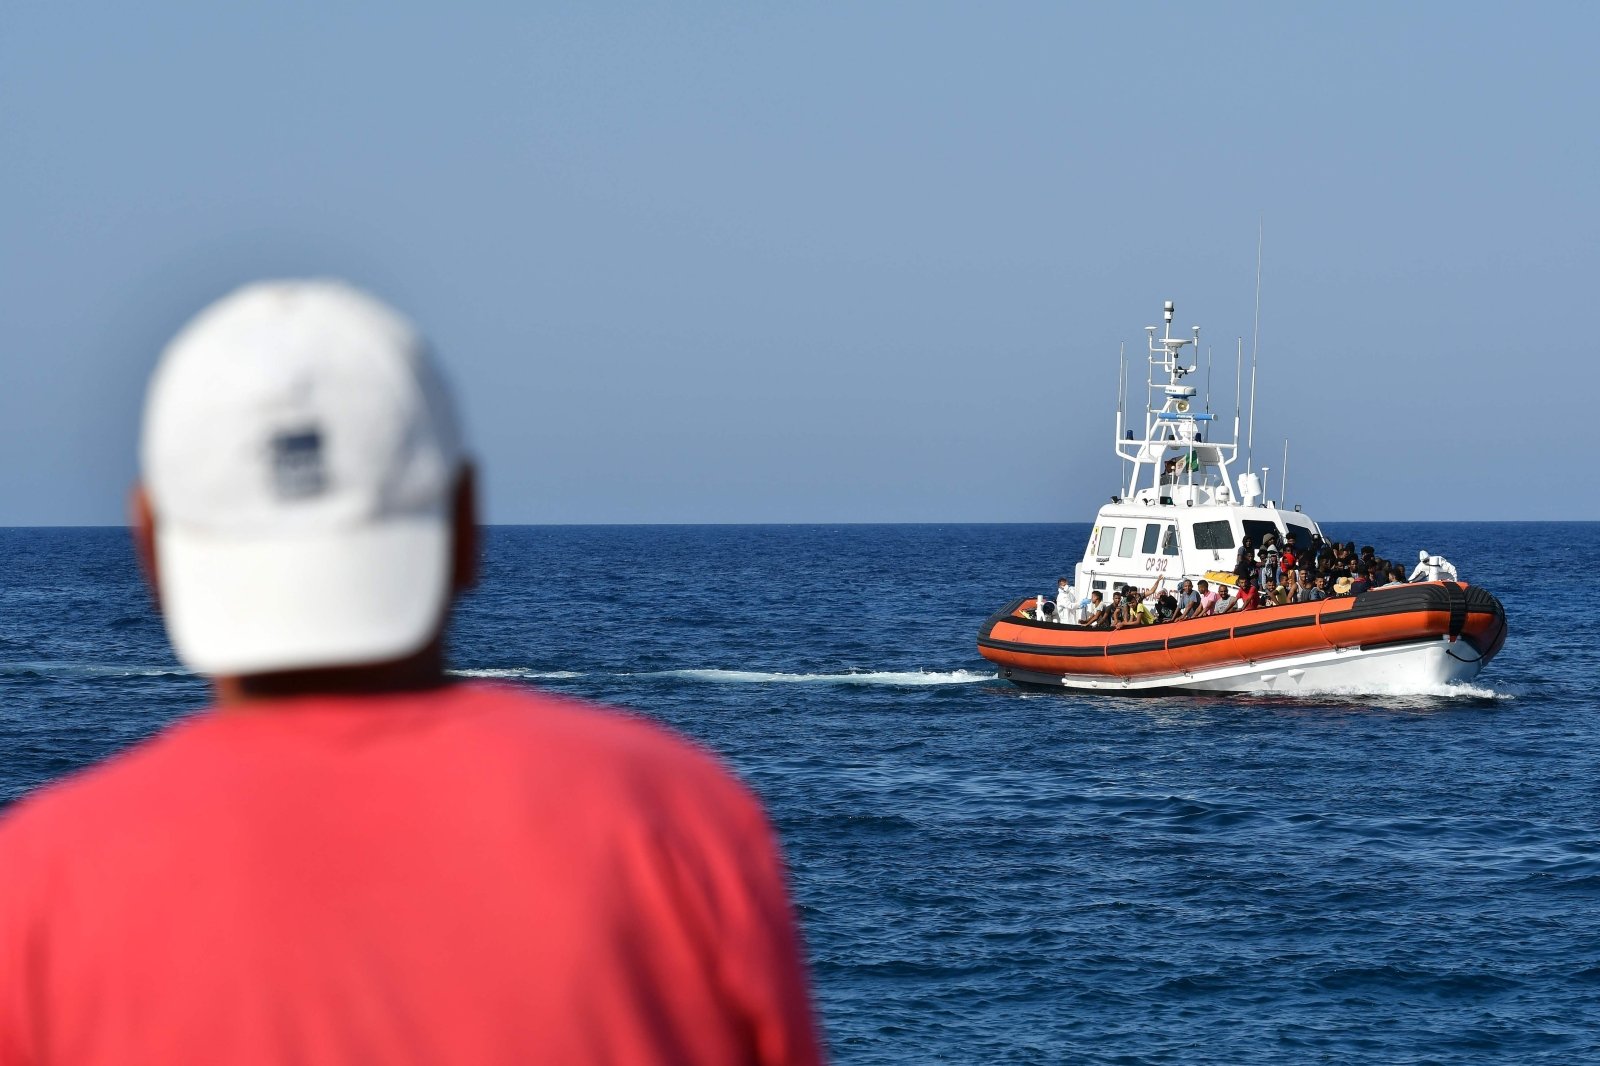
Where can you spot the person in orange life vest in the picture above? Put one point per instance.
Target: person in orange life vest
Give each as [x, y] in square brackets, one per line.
[351, 857]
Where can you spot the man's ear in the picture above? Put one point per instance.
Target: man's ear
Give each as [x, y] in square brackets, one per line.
[464, 529]
[142, 524]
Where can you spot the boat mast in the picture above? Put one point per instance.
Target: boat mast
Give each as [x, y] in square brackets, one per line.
[1174, 425]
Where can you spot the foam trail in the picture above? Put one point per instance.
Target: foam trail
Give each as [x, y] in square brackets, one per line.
[900, 678]
[518, 673]
[1444, 690]
[76, 669]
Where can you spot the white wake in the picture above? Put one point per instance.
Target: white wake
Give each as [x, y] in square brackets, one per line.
[1449, 690]
[518, 673]
[55, 668]
[900, 678]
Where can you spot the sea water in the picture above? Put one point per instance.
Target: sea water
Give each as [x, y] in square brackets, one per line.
[991, 875]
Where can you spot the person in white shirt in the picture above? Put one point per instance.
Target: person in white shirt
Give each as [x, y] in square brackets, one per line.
[1432, 568]
[1066, 604]
[1097, 612]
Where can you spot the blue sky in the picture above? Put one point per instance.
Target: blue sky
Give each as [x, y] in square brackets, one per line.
[866, 262]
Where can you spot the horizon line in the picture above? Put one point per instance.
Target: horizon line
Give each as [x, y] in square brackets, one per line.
[871, 522]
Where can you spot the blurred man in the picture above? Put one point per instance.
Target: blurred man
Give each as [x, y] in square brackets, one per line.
[349, 859]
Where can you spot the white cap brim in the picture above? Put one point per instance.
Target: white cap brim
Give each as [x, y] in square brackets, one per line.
[250, 605]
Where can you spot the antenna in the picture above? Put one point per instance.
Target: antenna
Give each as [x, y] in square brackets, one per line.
[1122, 388]
[1209, 353]
[1122, 380]
[1283, 475]
[1238, 380]
[1255, 344]
[1250, 438]
[1238, 392]
[1255, 340]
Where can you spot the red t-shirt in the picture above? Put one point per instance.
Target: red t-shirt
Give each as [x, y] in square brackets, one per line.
[470, 875]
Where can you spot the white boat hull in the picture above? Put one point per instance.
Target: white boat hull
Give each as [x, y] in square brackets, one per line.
[1422, 666]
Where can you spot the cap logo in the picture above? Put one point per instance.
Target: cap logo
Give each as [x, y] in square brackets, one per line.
[297, 470]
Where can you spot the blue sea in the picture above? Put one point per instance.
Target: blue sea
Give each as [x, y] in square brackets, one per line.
[992, 875]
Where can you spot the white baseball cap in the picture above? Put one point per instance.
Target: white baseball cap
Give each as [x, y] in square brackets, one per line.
[300, 453]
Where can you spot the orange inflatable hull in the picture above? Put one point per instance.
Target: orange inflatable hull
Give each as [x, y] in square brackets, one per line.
[1399, 614]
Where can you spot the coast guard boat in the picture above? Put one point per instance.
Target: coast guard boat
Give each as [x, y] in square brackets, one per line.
[1183, 514]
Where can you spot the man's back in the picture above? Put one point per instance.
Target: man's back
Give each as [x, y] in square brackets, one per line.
[467, 874]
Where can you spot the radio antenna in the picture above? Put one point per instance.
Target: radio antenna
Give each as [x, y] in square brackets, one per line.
[1209, 353]
[1283, 482]
[1238, 383]
[1122, 391]
[1238, 392]
[1255, 345]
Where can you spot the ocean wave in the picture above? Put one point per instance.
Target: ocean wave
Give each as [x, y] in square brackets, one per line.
[895, 678]
[77, 669]
[517, 673]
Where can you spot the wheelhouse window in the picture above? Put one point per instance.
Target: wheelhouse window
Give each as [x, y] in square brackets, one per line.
[1152, 538]
[1302, 534]
[1257, 530]
[1215, 535]
[1169, 541]
[1125, 546]
[1108, 538]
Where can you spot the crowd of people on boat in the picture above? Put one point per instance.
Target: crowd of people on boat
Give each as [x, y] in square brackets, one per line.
[1291, 572]
[1268, 574]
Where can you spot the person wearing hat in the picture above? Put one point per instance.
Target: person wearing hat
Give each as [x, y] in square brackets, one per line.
[350, 858]
[1267, 574]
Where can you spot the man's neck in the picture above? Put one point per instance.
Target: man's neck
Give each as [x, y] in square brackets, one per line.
[415, 673]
